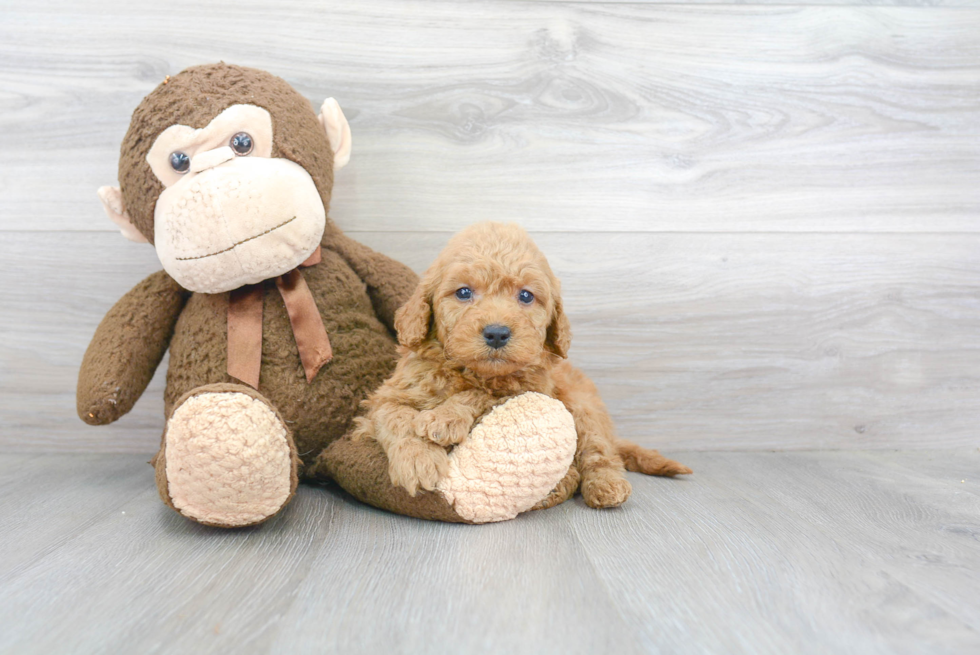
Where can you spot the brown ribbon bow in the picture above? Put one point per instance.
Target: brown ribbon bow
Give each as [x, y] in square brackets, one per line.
[245, 326]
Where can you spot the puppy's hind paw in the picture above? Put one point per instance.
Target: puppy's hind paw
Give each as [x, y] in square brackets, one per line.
[414, 463]
[605, 488]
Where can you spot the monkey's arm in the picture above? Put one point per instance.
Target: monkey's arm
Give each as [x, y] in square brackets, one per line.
[127, 348]
[389, 283]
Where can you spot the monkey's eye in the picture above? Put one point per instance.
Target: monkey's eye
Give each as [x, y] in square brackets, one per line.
[241, 143]
[464, 293]
[525, 297]
[180, 162]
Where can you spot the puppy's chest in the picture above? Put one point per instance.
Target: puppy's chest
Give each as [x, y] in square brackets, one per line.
[500, 388]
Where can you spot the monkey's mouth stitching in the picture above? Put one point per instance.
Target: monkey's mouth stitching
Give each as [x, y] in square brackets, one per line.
[232, 246]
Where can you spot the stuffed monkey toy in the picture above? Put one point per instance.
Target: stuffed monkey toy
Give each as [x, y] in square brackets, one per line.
[278, 324]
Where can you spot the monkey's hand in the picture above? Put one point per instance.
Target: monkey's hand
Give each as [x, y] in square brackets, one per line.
[563, 490]
[127, 348]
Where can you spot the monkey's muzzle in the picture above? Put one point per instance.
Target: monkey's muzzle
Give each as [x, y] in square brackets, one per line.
[241, 222]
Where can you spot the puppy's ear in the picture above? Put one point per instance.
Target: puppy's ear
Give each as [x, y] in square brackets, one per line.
[558, 338]
[412, 319]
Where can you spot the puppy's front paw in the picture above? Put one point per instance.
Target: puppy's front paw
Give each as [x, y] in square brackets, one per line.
[413, 463]
[605, 488]
[442, 426]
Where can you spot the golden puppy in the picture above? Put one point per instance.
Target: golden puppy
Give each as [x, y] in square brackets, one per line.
[485, 324]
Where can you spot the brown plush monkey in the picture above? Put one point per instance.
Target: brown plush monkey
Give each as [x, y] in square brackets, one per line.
[278, 324]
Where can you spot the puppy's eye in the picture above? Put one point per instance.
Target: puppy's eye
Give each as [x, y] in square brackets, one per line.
[180, 162]
[525, 297]
[464, 293]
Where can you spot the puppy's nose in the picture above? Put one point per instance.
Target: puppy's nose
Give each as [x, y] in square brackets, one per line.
[496, 336]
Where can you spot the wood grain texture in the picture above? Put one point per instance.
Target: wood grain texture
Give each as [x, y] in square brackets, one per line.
[706, 341]
[755, 553]
[765, 217]
[52, 517]
[591, 117]
[791, 3]
[777, 533]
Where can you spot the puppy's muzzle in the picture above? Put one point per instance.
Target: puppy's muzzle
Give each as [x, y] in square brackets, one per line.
[496, 335]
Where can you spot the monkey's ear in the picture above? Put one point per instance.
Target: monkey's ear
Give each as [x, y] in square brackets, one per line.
[112, 202]
[558, 338]
[338, 132]
[412, 319]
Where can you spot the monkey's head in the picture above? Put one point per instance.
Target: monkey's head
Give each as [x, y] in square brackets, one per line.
[227, 171]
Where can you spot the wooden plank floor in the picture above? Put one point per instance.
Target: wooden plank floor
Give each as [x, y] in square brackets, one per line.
[804, 552]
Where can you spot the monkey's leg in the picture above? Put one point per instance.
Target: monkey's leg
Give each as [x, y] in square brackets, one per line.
[564, 490]
[227, 457]
[509, 463]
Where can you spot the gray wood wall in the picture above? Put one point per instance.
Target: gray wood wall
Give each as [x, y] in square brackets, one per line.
[766, 217]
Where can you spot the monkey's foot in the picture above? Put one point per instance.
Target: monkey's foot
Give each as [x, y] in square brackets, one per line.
[228, 459]
[511, 460]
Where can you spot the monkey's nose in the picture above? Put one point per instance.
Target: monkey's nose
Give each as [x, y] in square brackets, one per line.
[496, 335]
[202, 161]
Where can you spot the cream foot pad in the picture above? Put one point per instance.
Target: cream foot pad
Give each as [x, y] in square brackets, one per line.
[228, 460]
[511, 460]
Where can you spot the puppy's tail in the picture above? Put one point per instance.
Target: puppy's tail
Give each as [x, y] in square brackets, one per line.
[647, 461]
